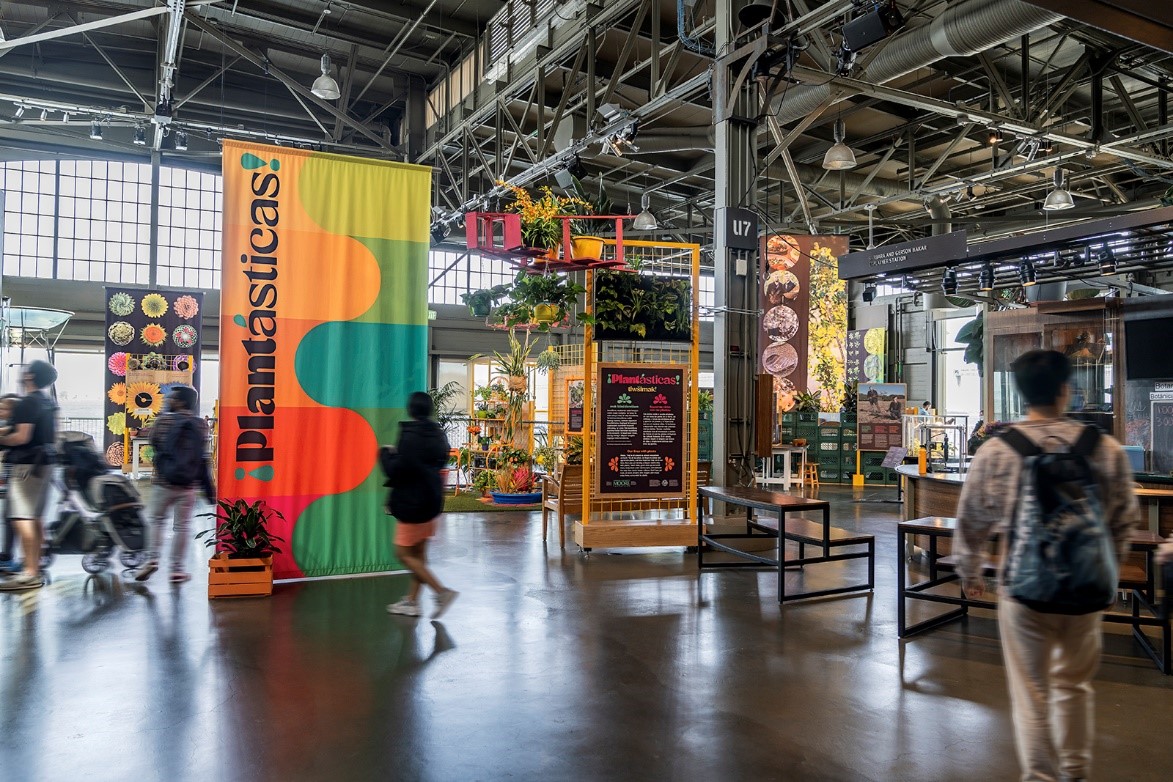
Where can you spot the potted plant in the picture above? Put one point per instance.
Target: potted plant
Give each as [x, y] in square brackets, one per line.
[704, 402]
[539, 299]
[573, 450]
[443, 399]
[481, 302]
[243, 564]
[539, 225]
[549, 360]
[515, 486]
[484, 481]
[583, 245]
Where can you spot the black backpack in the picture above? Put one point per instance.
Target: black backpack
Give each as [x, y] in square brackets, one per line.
[180, 459]
[1062, 559]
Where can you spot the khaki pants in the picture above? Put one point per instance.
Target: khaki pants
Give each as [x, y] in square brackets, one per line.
[180, 500]
[1050, 662]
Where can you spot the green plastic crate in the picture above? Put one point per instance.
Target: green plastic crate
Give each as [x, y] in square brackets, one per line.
[848, 447]
[848, 419]
[873, 459]
[789, 419]
[808, 418]
[830, 475]
[829, 445]
[830, 458]
[786, 432]
[808, 432]
[848, 435]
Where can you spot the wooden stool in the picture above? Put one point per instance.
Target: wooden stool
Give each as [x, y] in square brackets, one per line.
[811, 473]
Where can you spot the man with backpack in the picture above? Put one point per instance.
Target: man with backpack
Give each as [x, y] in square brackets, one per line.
[1060, 496]
[180, 439]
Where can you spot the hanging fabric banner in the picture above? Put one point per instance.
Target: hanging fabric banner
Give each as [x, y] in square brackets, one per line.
[323, 334]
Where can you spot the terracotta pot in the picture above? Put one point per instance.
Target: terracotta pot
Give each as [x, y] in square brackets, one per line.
[552, 254]
[586, 247]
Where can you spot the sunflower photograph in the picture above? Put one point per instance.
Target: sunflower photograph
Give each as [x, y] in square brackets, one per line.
[117, 393]
[143, 400]
[154, 334]
[121, 304]
[117, 364]
[116, 423]
[154, 305]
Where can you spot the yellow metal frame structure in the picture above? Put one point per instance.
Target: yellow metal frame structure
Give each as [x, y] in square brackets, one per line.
[625, 522]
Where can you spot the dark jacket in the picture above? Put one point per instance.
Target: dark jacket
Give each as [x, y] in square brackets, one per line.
[413, 471]
[158, 439]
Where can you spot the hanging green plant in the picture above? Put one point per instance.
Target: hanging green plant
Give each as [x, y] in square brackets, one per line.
[637, 306]
[543, 300]
[480, 303]
[972, 335]
[549, 360]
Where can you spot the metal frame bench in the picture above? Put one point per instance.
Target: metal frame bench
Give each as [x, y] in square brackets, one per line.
[802, 531]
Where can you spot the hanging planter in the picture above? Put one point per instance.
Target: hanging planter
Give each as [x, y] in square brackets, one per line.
[586, 248]
[545, 313]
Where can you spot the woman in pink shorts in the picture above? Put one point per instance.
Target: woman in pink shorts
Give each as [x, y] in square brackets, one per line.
[417, 498]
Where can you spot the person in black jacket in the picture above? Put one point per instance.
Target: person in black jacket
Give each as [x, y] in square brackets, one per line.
[416, 500]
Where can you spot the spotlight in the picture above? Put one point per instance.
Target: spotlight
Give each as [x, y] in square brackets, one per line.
[1026, 273]
[872, 26]
[19, 112]
[986, 278]
[994, 136]
[140, 136]
[949, 282]
[1059, 198]
[839, 157]
[869, 293]
[181, 140]
[65, 118]
[95, 131]
[44, 114]
[440, 232]
[325, 87]
[1107, 261]
[1046, 146]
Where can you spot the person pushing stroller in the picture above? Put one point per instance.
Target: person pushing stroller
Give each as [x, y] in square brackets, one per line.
[179, 437]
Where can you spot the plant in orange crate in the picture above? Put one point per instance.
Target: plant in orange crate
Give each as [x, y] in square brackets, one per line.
[540, 226]
[243, 563]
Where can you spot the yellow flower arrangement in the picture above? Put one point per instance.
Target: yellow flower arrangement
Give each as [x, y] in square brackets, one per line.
[539, 226]
[117, 393]
[154, 305]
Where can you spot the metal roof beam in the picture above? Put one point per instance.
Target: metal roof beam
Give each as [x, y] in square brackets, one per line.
[97, 24]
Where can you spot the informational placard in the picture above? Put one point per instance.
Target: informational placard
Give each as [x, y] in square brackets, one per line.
[1161, 442]
[866, 360]
[894, 458]
[641, 447]
[880, 408]
[575, 388]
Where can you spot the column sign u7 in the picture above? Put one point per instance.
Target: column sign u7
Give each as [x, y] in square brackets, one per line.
[741, 229]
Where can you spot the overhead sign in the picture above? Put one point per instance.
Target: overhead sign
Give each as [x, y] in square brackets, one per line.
[741, 229]
[904, 257]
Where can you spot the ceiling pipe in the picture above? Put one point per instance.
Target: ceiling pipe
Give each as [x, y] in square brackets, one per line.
[963, 29]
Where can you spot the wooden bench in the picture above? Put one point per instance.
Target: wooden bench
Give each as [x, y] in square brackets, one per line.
[562, 496]
[802, 531]
[1138, 581]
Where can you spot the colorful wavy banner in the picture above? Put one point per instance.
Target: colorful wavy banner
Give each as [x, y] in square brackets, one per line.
[323, 334]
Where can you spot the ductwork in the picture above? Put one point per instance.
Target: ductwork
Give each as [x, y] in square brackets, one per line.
[939, 210]
[963, 29]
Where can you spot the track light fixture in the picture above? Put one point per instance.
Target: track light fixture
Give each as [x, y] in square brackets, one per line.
[1107, 261]
[140, 136]
[839, 157]
[949, 282]
[44, 114]
[19, 112]
[1058, 198]
[181, 140]
[95, 130]
[986, 278]
[869, 293]
[325, 87]
[1027, 274]
[994, 136]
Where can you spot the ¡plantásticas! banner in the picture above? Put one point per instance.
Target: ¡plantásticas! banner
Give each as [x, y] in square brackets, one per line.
[323, 334]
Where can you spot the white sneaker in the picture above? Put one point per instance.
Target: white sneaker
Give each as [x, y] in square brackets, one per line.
[405, 607]
[443, 600]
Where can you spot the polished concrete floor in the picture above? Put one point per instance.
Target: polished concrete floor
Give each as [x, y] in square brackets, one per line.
[550, 666]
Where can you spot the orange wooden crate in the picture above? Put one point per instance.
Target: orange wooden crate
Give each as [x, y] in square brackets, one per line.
[240, 577]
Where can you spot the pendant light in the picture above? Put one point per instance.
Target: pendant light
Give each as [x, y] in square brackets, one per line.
[839, 157]
[986, 278]
[1058, 198]
[325, 87]
[181, 141]
[140, 136]
[95, 130]
[1027, 274]
[645, 220]
[949, 282]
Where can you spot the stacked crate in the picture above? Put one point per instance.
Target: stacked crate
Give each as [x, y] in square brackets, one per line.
[874, 472]
[848, 439]
[829, 450]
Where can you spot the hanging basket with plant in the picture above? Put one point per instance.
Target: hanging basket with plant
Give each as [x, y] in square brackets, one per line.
[481, 302]
[540, 226]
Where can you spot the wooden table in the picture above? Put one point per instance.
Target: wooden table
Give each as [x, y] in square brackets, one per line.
[1155, 495]
[1142, 585]
[806, 533]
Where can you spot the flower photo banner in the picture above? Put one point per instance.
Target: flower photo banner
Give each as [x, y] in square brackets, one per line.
[323, 335]
[153, 340]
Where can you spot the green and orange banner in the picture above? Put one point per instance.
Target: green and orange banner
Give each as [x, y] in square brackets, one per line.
[323, 334]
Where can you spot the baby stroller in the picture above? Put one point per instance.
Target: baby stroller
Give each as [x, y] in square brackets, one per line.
[99, 510]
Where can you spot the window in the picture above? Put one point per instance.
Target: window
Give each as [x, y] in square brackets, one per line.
[29, 204]
[103, 228]
[452, 274]
[190, 206]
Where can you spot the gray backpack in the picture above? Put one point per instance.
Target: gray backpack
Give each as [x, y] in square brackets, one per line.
[1062, 559]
